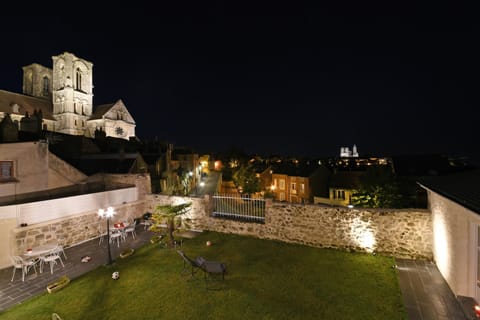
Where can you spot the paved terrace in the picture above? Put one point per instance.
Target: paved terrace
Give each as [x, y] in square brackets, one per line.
[15, 292]
[426, 294]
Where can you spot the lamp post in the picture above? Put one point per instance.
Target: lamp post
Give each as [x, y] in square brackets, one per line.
[107, 214]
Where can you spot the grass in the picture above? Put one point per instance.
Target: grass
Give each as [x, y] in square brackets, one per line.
[264, 280]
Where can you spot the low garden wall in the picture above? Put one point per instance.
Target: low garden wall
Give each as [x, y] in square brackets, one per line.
[73, 229]
[405, 233]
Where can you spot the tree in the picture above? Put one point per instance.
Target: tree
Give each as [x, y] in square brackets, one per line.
[169, 215]
[246, 179]
[378, 189]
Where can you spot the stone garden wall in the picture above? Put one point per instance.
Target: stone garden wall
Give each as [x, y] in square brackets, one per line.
[72, 230]
[400, 233]
[405, 233]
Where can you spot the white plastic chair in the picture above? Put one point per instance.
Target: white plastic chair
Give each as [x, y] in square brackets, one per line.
[131, 228]
[59, 249]
[50, 258]
[116, 235]
[24, 265]
[146, 223]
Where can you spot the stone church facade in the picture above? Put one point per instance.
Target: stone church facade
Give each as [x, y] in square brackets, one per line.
[61, 100]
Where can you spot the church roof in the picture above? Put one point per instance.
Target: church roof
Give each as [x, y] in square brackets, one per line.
[19, 104]
[101, 110]
[109, 111]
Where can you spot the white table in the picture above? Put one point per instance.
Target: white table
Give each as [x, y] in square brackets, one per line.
[39, 250]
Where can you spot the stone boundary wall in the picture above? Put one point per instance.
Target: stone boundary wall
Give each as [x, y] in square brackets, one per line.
[402, 233]
[405, 233]
[72, 230]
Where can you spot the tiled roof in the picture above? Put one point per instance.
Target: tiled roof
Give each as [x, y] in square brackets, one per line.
[100, 111]
[25, 104]
[295, 170]
[462, 188]
[346, 179]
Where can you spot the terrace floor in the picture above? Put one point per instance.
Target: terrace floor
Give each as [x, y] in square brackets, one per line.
[426, 294]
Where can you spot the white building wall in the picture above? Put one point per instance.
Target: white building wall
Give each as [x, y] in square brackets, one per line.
[30, 160]
[44, 212]
[454, 243]
[41, 211]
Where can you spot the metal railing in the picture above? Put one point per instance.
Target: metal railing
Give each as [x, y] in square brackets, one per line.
[237, 207]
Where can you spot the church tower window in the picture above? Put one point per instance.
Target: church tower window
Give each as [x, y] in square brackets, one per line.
[78, 83]
[46, 85]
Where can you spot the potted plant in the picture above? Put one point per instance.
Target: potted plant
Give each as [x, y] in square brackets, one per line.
[59, 284]
[127, 252]
[169, 214]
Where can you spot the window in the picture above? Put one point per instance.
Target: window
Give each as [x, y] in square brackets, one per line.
[78, 83]
[293, 187]
[281, 184]
[338, 194]
[46, 85]
[302, 187]
[6, 170]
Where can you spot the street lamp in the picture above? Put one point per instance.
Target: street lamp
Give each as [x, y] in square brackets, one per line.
[107, 214]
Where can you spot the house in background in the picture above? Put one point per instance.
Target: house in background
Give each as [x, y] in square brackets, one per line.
[298, 183]
[341, 186]
[454, 202]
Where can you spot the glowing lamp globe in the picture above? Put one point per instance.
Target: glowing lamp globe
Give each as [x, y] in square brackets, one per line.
[476, 308]
[209, 243]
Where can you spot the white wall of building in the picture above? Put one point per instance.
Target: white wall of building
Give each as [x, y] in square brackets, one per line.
[455, 243]
[41, 211]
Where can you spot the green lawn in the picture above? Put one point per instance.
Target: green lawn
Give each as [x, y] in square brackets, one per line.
[264, 280]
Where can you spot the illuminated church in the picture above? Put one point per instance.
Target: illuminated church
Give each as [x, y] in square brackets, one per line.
[61, 100]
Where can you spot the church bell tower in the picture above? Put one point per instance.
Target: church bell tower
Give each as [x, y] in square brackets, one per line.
[72, 93]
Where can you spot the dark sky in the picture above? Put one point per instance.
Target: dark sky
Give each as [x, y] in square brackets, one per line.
[296, 79]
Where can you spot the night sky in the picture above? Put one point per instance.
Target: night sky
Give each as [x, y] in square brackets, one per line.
[292, 79]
